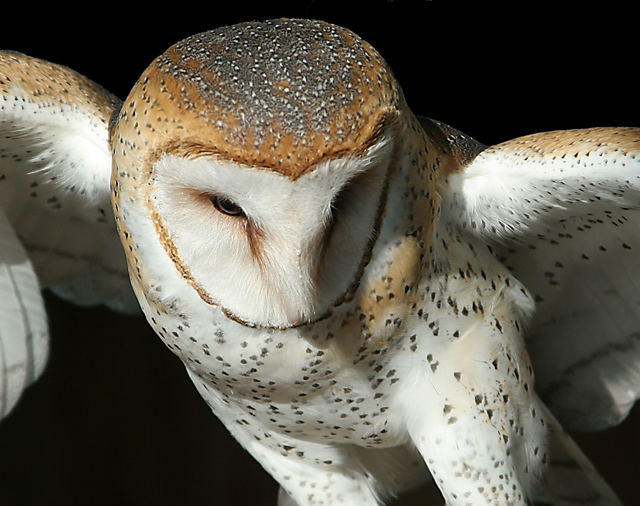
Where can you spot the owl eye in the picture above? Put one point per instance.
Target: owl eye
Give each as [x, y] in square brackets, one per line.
[226, 206]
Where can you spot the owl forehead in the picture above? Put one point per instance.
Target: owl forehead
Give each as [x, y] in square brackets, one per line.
[281, 94]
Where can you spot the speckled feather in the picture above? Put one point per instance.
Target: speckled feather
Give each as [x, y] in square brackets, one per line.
[57, 225]
[358, 311]
[566, 222]
[54, 170]
[268, 95]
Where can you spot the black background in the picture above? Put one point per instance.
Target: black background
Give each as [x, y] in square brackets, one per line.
[114, 419]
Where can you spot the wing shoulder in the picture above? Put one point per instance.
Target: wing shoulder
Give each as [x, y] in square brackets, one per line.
[509, 188]
[56, 120]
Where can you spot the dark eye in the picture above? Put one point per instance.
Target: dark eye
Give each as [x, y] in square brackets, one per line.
[226, 206]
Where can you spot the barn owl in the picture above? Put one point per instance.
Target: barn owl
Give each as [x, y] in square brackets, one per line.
[361, 295]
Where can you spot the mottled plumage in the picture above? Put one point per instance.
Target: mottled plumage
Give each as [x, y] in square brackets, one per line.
[356, 292]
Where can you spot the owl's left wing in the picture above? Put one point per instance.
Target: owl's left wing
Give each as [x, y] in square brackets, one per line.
[56, 225]
[562, 211]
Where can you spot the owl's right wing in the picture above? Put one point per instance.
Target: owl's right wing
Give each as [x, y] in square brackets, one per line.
[56, 225]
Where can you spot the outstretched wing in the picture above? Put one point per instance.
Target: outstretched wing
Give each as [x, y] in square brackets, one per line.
[562, 211]
[56, 224]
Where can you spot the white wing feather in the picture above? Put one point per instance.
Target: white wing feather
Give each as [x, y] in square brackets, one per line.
[23, 322]
[55, 167]
[562, 210]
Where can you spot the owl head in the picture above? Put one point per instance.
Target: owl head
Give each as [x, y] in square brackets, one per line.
[255, 160]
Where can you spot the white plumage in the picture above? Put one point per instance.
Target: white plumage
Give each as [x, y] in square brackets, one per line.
[566, 223]
[57, 225]
[23, 327]
[354, 291]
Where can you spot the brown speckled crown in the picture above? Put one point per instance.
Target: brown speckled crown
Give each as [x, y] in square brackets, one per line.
[281, 94]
